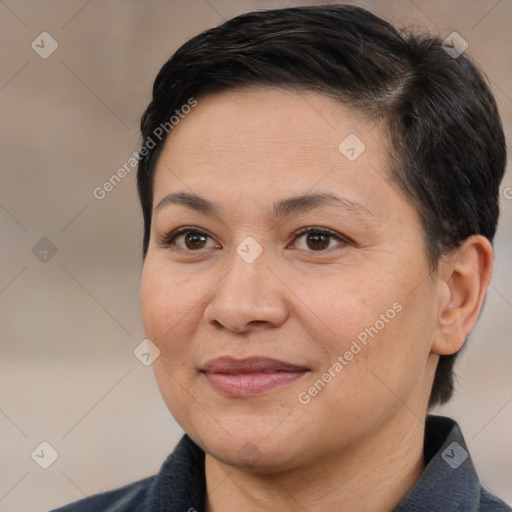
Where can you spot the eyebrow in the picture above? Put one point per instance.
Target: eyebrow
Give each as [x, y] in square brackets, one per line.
[293, 205]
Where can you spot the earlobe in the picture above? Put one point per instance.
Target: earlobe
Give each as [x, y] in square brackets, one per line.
[464, 277]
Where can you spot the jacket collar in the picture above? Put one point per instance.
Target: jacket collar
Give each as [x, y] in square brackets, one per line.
[448, 482]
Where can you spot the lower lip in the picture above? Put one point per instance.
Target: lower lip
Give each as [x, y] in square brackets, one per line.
[249, 384]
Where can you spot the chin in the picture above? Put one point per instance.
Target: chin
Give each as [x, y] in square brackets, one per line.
[253, 451]
[255, 457]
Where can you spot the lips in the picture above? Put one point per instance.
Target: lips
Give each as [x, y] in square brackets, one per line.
[250, 376]
[231, 366]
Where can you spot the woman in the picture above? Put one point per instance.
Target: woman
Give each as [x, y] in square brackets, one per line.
[320, 194]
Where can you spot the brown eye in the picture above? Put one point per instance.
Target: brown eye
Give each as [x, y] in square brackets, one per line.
[318, 239]
[188, 239]
[195, 240]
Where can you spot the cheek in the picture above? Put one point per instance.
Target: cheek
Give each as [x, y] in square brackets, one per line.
[398, 346]
[167, 315]
[374, 321]
[167, 305]
[344, 307]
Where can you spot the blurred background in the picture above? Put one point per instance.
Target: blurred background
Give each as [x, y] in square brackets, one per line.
[75, 76]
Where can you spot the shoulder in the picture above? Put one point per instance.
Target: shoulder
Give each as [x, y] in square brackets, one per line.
[122, 499]
[491, 503]
[179, 485]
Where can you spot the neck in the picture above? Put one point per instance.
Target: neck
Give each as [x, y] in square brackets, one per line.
[375, 475]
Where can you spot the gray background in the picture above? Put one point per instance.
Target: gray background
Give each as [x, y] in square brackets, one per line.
[69, 325]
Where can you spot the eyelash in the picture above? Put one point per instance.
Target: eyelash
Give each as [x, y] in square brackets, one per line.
[167, 240]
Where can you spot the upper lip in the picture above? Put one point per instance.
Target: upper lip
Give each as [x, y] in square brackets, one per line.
[230, 365]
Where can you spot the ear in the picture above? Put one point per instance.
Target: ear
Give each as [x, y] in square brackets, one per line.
[464, 276]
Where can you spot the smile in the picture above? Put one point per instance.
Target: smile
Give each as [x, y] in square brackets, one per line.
[251, 376]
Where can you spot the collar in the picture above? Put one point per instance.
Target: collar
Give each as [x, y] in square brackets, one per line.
[449, 481]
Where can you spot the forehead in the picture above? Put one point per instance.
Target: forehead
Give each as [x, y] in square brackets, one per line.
[256, 132]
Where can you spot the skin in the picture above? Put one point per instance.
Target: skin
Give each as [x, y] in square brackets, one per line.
[360, 439]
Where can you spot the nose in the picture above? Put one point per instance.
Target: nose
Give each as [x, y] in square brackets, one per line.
[249, 296]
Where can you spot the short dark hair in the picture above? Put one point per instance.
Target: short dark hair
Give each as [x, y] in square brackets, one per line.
[447, 146]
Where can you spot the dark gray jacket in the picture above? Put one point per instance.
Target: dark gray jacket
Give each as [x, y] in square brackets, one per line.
[449, 482]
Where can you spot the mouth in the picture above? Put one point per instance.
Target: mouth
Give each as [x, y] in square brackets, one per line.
[250, 376]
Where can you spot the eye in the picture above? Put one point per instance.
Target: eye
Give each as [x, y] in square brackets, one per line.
[318, 239]
[188, 238]
[315, 239]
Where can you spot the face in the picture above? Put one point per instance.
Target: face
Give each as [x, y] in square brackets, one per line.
[293, 309]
